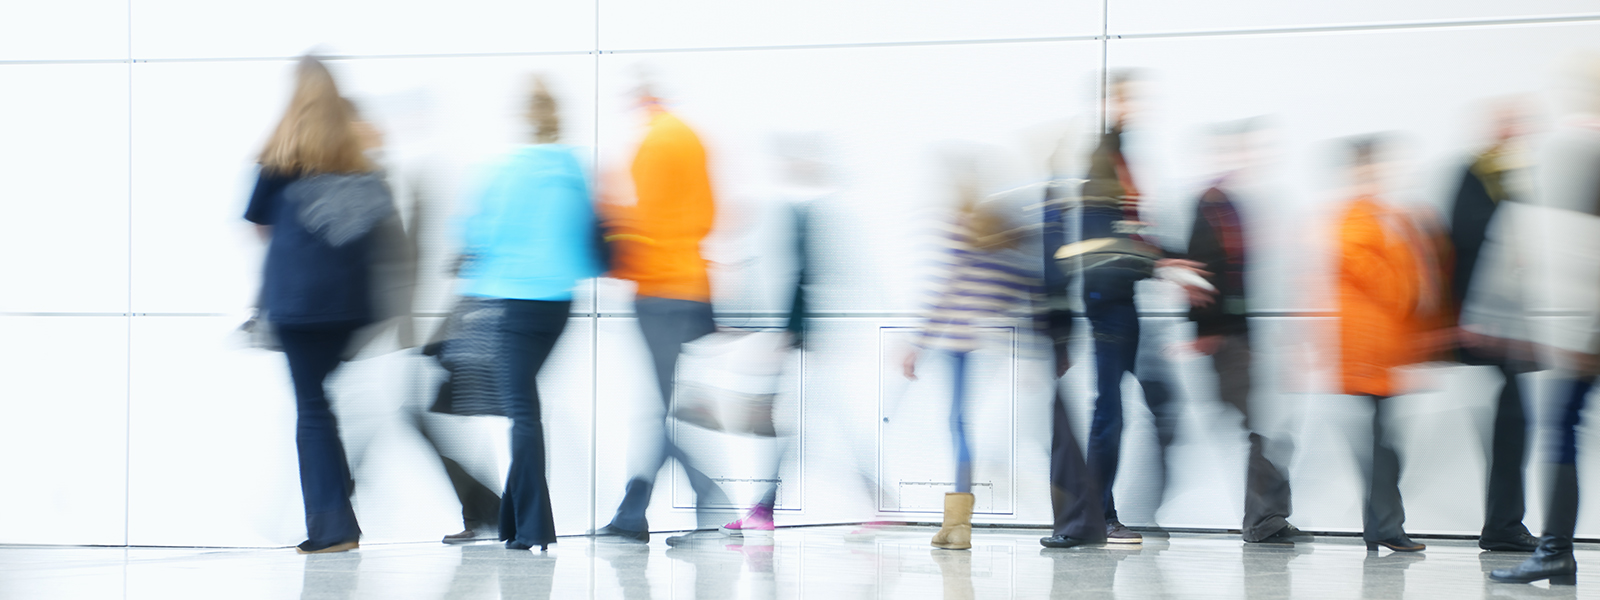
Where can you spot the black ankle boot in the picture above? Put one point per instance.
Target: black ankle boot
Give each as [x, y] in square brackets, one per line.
[1552, 560]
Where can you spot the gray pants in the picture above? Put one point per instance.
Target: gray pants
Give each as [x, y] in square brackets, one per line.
[667, 325]
[1384, 515]
[1266, 496]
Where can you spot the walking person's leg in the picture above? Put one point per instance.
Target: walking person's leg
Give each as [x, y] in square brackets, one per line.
[530, 333]
[1266, 498]
[667, 325]
[1384, 515]
[1073, 496]
[1505, 504]
[956, 532]
[325, 483]
[1553, 559]
[1115, 328]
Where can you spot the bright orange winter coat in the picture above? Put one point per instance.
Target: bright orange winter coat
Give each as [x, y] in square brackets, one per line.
[656, 242]
[1382, 275]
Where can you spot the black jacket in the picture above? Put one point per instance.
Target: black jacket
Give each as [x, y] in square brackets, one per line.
[1218, 241]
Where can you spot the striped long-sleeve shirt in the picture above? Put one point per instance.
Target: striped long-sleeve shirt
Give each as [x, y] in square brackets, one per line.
[980, 288]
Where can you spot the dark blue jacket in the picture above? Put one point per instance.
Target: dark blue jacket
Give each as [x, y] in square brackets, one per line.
[308, 281]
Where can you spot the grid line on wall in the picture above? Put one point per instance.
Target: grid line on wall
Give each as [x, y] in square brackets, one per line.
[1103, 36]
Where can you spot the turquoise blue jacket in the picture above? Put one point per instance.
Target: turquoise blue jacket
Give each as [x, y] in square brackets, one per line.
[531, 235]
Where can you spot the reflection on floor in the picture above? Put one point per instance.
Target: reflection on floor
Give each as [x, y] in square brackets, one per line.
[813, 562]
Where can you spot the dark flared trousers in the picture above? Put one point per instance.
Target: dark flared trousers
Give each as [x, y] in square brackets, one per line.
[1074, 497]
[325, 484]
[530, 332]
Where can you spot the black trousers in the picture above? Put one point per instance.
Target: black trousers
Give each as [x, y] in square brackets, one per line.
[1504, 505]
[1074, 496]
[531, 330]
[325, 484]
[1267, 499]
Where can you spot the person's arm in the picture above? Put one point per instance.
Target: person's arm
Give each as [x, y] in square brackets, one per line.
[263, 199]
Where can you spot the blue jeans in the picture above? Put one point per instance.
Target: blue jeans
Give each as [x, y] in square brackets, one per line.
[325, 484]
[1115, 322]
[529, 333]
[958, 429]
[1562, 519]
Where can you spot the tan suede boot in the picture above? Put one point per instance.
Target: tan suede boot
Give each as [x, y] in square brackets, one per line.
[956, 534]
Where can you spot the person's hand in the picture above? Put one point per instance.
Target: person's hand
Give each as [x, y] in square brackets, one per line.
[1063, 362]
[909, 365]
[1199, 297]
[1183, 263]
[1208, 344]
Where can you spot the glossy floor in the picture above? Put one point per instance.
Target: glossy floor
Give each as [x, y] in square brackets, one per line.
[813, 562]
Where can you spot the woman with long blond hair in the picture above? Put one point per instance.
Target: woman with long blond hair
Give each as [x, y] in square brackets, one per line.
[318, 199]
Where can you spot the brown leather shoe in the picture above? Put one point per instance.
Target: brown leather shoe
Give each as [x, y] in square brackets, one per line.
[1399, 543]
[1117, 533]
[466, 536]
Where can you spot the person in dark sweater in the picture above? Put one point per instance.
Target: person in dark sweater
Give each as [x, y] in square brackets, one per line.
[318, 199]
[1486, 182]
[1218, 240]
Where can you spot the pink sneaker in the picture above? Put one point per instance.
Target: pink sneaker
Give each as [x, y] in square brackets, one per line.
[756, 522]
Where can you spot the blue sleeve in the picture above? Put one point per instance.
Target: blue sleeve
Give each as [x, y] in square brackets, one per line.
[264, 199]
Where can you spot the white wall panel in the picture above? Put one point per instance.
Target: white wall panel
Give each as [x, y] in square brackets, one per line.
[64, 30]
[197, 128]
[640, 24]
[1166, 16]
[65, 156]
[880, 111]
[199, 29]
[212, 453]
[66, 430]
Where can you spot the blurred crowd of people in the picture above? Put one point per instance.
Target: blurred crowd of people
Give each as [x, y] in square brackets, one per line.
[1508, 278]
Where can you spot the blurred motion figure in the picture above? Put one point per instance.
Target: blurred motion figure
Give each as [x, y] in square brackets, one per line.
[320, 199]
[986, 279]
[1387, 292]
[1563, 235]
[656, 243]
[1487, 182]
[529, 242]
[1220, 242]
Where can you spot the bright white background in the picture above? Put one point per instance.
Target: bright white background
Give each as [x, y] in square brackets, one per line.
[127, 130]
